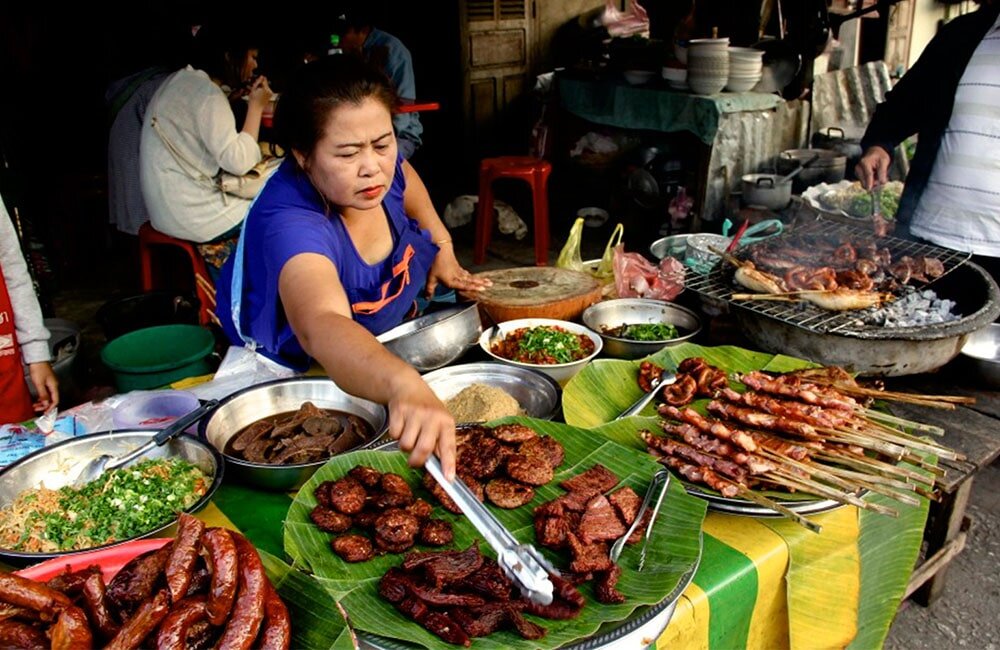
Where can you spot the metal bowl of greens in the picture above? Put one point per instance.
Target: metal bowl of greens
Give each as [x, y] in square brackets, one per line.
[43, 516]
[633, 328]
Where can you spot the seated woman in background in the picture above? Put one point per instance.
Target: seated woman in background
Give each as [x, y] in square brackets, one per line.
[337, 246]
[189, 134]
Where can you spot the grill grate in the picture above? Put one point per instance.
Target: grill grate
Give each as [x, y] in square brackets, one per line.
[716, 284]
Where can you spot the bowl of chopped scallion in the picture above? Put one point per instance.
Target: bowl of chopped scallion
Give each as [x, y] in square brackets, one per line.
[558, 348]
[633, 328]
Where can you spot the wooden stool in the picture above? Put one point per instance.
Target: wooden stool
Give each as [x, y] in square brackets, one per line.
[204, 288]
[534, 172]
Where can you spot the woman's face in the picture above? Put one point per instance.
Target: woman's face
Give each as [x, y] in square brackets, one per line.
[249, 65]
[354, 162]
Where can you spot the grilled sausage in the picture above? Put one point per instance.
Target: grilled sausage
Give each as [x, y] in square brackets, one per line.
[146, 619]
[72, 630]
[222, 552]
[183, 553]
[34, 595]
[248, 612]
[174, 630]
[95, 601]
[277, 631]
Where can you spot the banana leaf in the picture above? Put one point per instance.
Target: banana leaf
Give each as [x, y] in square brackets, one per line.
[316, 621]
[606, 387]
[672, 555]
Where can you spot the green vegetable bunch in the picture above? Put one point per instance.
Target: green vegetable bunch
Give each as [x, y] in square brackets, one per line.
[648, 332]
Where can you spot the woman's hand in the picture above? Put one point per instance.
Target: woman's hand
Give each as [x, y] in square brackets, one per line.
[46, 385]
[422, 424]
[447, 271]
[873, 168]
[260, 93]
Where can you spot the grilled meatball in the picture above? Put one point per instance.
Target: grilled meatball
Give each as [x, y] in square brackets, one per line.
[533, 470]
[481, 457]
[366, 476]
[419, 509]
[322, 494]
[545, 446]
[353, 548]
[347, 495]
[513, 433]
[329, 520]
[395, 527]
[432, 486]
[436, 532]
[366, 519]
[509, 494]
[395, 492]
[474, 484]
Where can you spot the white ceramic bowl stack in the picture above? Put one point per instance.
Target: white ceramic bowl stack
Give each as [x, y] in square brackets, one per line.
[745, 69]
[708, 65]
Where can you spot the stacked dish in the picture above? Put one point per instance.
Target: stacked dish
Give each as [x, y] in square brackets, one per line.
[745, 69]
[676, 77]
[708, 65]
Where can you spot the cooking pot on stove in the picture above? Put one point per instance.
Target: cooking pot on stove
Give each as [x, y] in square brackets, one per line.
[772, 191]
[841, 141]
[830, 167]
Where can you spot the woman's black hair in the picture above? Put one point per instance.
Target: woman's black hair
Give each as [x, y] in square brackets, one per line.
[316, 89]
[221, 50]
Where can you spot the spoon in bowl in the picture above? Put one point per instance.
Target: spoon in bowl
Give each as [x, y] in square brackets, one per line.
[95, 467]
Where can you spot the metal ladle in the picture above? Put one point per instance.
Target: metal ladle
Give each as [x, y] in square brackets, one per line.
[95, 467]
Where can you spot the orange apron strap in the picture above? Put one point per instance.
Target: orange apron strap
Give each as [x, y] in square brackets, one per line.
[402, 268]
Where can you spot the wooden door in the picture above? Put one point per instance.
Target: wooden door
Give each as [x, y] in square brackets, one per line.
[897, 41]
[497, 55]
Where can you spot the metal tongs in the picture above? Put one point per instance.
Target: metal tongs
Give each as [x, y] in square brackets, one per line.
[521, 562]
[656, 385]
[657, 485]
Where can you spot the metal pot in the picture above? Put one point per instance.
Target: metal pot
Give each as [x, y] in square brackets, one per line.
[837, 139]
[770, 191]
[830, 167]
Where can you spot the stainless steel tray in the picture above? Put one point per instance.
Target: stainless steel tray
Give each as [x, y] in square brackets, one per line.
[730, 506]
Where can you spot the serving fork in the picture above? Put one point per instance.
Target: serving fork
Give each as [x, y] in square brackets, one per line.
[665, 379]
[657, 485]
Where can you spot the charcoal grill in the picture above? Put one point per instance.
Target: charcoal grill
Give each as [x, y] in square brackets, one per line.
[842, 338]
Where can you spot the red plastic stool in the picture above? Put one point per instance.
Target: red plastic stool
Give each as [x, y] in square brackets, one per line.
[204, 288]
[535, 172]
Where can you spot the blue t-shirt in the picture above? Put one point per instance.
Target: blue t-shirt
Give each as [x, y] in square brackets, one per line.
[289, 218]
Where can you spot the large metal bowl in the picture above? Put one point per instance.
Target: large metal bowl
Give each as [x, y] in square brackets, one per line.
[632, 311]
[59, 465]
[536, 392]
[245, 407]
[981, 354]
[435, 340]
[561, 372]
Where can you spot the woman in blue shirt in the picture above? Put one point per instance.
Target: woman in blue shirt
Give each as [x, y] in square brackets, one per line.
[337, 246]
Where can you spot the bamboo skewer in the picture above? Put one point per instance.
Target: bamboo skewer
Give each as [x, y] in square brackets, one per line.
[870, 414]
[873, 465]
[895, 436]
[762, 500]
[821, 490]
[775, 297]
[851, 438]
[811, 469]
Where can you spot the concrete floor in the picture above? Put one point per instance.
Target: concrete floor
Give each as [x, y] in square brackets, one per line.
[966, 616]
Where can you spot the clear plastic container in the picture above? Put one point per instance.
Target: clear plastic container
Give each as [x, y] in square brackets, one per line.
[153, 409]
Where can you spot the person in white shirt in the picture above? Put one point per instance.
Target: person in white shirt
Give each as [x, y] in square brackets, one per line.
[189, 134]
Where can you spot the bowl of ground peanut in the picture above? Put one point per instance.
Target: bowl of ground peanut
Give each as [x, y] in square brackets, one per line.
[482, 392]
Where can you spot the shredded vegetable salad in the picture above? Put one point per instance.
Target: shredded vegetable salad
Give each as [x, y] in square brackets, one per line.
[120, 504]
[543, 345]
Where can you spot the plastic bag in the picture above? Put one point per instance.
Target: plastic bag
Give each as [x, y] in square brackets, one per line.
[569, 256]
[637, 277]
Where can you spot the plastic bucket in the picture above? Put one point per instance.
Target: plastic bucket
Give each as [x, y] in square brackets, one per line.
[146, 310]
[156, 356]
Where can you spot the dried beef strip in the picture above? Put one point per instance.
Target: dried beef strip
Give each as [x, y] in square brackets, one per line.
[598, 478]
[599, 522]
[626, 503]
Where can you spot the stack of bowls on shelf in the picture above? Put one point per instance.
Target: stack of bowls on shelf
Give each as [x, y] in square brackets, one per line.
[745, 69]
[708, 65]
